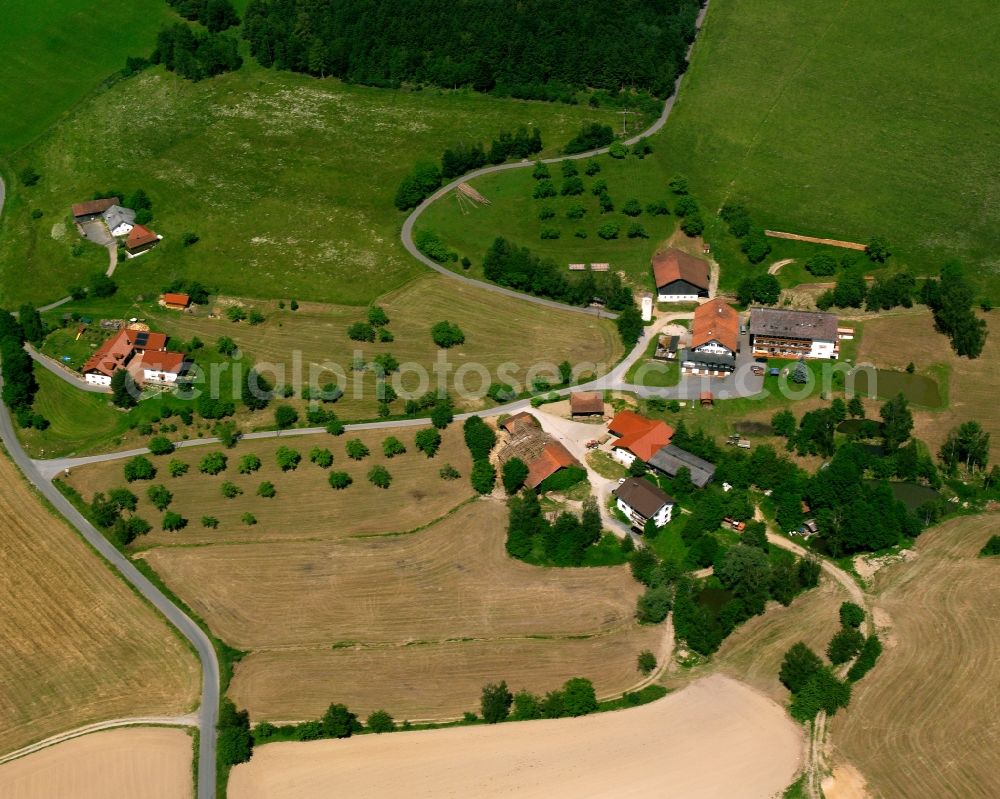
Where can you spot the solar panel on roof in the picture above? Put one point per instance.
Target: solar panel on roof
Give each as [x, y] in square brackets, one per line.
[141, 339]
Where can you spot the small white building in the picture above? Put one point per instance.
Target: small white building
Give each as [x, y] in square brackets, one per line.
[161, 367]
[641, 501]
[647, 307]
[119, 220]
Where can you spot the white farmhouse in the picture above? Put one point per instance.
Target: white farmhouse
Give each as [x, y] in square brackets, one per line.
[641, 501]
[119, 220]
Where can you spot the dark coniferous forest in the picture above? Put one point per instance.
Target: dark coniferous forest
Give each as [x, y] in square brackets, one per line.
[535, 49]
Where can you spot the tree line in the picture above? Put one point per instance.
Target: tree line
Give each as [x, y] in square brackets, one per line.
[195, 54]
[19, 384]
[546, 50]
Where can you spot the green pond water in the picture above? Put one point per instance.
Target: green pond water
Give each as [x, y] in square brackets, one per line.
[913, 495]
[918, 389]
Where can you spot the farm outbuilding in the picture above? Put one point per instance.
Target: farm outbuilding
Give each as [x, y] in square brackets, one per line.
[586, 403]
[92, 209]
[679, 277]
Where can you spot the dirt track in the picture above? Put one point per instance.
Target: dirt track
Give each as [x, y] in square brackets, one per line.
[714, 738]
[152, 763]
[847, 245]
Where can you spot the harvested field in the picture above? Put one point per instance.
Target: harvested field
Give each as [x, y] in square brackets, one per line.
[413, 623]
[154, 763]
[923, 723]
[79, 645]
[715, 738]
[434, 680]
[305, 505]
[454, 580]
[895, 341]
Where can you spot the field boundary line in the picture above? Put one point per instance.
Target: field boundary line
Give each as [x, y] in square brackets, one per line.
[190, 720]
[847, 245]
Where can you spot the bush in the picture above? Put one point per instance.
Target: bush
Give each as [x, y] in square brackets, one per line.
[646, 662]
[799, 665]
[321, 456]
[356, 449]
[693, 225]
[285, 416]
[571, 187]
[609, 230]
[449, 472]
[189, 238]
[340, 480]
[851, 615]
[495, 702]
[446, 335]
[654, 605]
[380, 722]
[379, 477]
[392, 447]
[335, 427]
[844, 645]
[160, 445]
[877, 249]
[541, 171]
[617, 150]
[632, 208]
[230, 490]
[139, 468]
[544, 189]
[658, 208]
[209, 521]
[866, 659]
[361, 331]
[248, 519]
[266, 490]
[592, 168]
[637, 231]
[177, 468]
[213, 463]
[172, 522]
[822, 264]
[288, 459]
[483, 476]
[248, 464]
[160, 497]
[590, 137]
[549, 233]
[377, 317]
[28, 176]
[428, 441]
[547, 212]
[514, 473]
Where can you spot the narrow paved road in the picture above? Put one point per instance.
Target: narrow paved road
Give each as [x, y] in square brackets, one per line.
[63, 373]
[406, 234]
[208, 713]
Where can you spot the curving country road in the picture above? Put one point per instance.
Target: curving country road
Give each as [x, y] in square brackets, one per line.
[406, 234]
[208, 713]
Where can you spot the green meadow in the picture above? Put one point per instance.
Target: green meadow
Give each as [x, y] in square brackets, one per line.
[850, 119]
[56, 52]
[287, 180]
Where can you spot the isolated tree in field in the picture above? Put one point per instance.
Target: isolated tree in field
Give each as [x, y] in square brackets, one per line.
[321, 456]
[851, 615]
[339, 722]
[646, 662]
[632, 207]
[380, 722]
[160, 497]
[428, 441]
[897, 422]
[446, 334]
[230, 490]
[392, 447]
[160, 445]
[266, 490]
[877, 249]
[799, 665]
[172, 522]
[844, 645]
[379, 477]
[637, 231]
[177, 468]
[514, 473]
[248, 464]
[609, 230]
[495, 702]
[124, 391]
[377, 317]
[235, 743]
[339, 480]
[213, 463]
[361, 331]
[139, 468]
[356, 449]
[288, 459]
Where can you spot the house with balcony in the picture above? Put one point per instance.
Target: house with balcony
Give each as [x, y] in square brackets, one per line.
[641, 501]
[780, 333]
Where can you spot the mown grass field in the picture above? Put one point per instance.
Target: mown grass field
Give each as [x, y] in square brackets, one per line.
[513, 213]
[972, 386]
[416, 624]
[57, 51]
[922, 723]
[305, 506]
[806, 113]
[80, 646]
[288, 180]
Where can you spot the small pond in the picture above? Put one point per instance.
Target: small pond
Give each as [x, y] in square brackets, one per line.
[851, 427]
[918, 389]
[714, 598]
[913, 495]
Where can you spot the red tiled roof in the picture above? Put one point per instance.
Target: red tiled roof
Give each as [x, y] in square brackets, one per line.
[177, 299]
[163, 361]
[586, 402]
[118, 349]
[715, 321]
[639, 435]
[139, 236]
[553, 458]
[519, 421]
[670, 265]
[94, 206]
